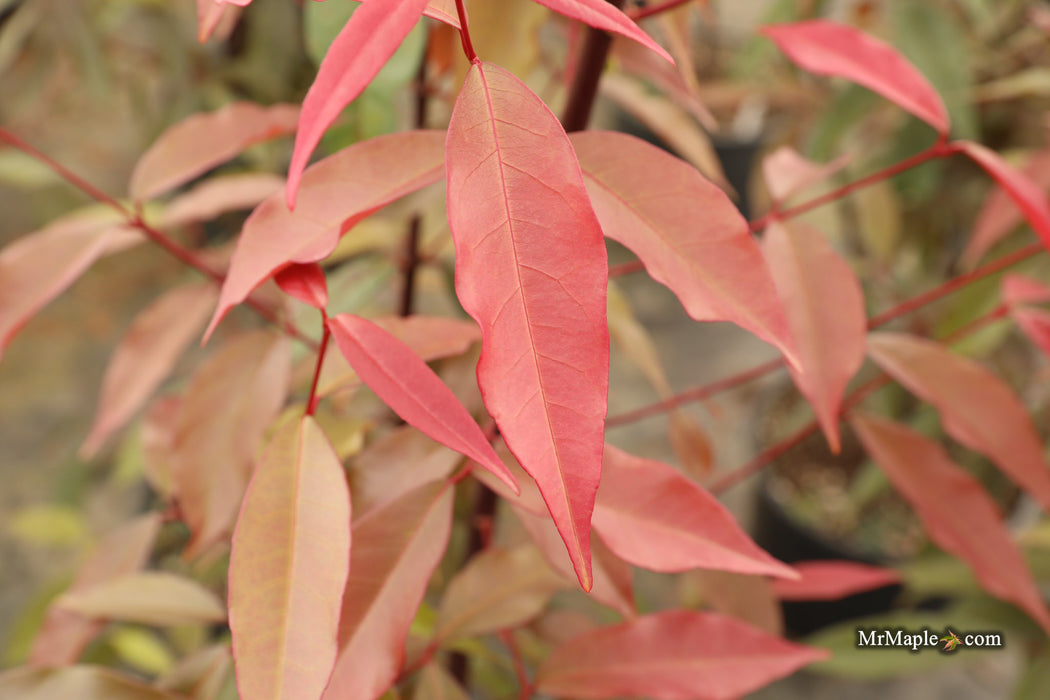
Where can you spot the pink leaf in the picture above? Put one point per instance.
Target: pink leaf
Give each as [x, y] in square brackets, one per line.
[685, 230]
[1018, 289]
[602, 15]
[656, 518]
[675, 655]
[146, 355]
[828, 48]
[64, 635]
[832, 580]
[211, 15]
[531, 269]
[404, 382]
[956, 512]
[999, 215]
[305, 282]
[200, 142]
[39, 266]
[976, 407]
[788, 174]
[1025, 193]
[396, 549]
[336, 193]
[1036, 325]
[229, 402]
[364, 45]
[219, 195]
[288, 567]
[824, 304]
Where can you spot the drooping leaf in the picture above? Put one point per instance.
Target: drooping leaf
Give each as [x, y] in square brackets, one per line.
[404, 382]
[1025, 193]
[977, 408]
[685, 230]
[832, 580]
[955, 510]
[203, 141]
[531, 268]
[999, 215]
[211, 15]
[219, 195]
[64, 634]
[829, 48]
[147, 597]
[645, 64]
[80, 682]
[672, 655]
[824, 304]
[788, 174]
[1018, 292]
[335, 193]
[1019, 289]
[602, 15]
[230, 400]
[305, 282]
[366, 42]
[39, 266]
[498, 589]
[653, 517]
[396, 548]
[288, 567]
[146, 355]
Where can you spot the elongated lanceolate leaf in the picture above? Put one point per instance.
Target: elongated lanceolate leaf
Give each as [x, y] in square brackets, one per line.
[149, 598]
[652, 516]
[685, 230]
[602, 15]
[788, 174]
[80, 682]
[1027, 195]
[305, 282]
[229, 402]
[955, 510]
[1019, 291]
[39, 266]
[676, 655]
[288, 567]
[824, 304]
[404, 382]
[396, 549]
[336, 193]
[367, 41]
[64, 634]
[202, 141]
[828, 48]
[976, 407]
[999, 214]
[218, 195]
[146, 355]
[531, 269]
[832, 580]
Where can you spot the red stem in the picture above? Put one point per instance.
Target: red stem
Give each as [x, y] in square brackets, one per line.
[519, 664]
[311, 402]
[464, 33]
[626, 268]
[642, 12]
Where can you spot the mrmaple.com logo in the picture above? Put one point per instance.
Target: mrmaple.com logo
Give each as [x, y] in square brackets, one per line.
[899, 638]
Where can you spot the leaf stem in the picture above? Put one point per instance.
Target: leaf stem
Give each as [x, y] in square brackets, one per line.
[588, 73]
[464, 33]
[519, 664]
[311, 402]
[642, 12]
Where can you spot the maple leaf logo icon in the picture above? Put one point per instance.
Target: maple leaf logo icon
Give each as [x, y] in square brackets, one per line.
[950, 641]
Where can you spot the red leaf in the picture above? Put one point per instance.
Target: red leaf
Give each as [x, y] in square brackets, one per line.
[653, 517]
[999, 214]
[231, 399]
[404, 382]
[288, 567]
[396, 549]
[1018, 289]
[685, 230]
[64, 635]
[336, 193]
[146, 355]
[210, 15]
[832, 580]
[531, 269]
[602, 15]
[672, 655]
[305, 282]
[1035, 323]
[956, 512]
[1026, 194]
[364, 45]
[39, 266]
[828, 48]
[824, 304]
[976, 407]
[219, 195]
[200, 142]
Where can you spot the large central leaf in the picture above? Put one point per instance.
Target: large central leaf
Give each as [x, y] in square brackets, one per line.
[532, 271]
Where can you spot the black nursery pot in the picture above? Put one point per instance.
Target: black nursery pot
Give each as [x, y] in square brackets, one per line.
[790, 541]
